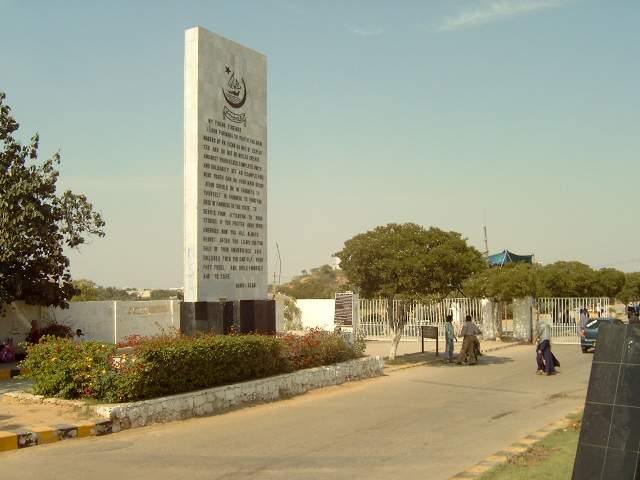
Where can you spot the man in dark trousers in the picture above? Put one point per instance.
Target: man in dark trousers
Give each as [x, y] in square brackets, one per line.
[469, 333]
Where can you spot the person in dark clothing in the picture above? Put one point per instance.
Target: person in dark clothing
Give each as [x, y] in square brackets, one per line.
[546, 360]
[469, 333]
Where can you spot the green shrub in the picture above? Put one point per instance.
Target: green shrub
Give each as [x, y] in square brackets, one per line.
[170, 364]
[173, 364]
[52, 329]
[63, 368]
[317, 348]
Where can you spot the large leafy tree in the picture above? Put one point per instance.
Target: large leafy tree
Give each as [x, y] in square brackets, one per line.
[406, 261]
[575, 279]
[631, 290]
[36, 222]
[503, 284]
[560, 279]
[610, 282]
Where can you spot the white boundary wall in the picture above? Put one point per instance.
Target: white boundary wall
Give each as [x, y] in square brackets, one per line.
[108, 321]
[317, 313]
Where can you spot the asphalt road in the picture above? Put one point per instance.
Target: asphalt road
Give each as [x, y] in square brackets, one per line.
[419, 423]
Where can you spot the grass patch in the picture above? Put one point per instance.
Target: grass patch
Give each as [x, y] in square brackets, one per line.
[551, 458]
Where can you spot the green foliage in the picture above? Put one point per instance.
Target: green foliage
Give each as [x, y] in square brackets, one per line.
[503, 284]
[170, 364]
[52, 329]
[318, 348]
[631, 290]
[610, 282]
[560, 279]
[166, 295]
[321, 282]
[567, 279]
[36, 223]
[407, 260]
[575, 279]
[89, 291]
[67, 369]
[175, 364]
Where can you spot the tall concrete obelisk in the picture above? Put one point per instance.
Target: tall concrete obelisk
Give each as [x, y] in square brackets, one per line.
[225, 170]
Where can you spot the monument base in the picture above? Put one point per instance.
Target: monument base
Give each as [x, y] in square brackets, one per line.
[222, 318]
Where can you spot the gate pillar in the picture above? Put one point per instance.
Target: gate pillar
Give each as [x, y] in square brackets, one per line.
[523, 319]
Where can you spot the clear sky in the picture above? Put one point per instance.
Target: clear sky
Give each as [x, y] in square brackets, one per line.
[521, 112]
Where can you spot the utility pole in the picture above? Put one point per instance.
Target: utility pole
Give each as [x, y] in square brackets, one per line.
[486, 242]
[274, 286]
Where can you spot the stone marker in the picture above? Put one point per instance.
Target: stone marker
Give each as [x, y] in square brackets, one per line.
[609, 445]
[225, 183]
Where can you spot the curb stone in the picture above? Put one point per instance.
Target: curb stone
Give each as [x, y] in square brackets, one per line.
[9, 373]
[30, 437]
[518, 448]
[185, 405]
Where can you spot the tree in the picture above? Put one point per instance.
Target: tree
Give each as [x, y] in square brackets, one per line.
[503, 284]
[405, 261]
[36, 223]
[631, 290]
[610, 282]
[321, 282]
[166, 295]
[575, 279]
[87, 290]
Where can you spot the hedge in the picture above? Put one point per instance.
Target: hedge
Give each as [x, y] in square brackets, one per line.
[171, 364]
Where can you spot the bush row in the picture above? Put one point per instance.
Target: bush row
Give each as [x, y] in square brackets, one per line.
[171, 364]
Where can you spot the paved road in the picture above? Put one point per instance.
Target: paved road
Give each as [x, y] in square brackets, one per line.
[14, 384]
[423, 422]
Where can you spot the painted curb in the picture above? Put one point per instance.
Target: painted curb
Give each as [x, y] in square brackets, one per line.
[30, 437]
[518, 448]
[390, 368]
[9, 373]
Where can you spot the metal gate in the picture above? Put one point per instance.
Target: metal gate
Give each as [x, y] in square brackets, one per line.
[374, 315]
[563, 314]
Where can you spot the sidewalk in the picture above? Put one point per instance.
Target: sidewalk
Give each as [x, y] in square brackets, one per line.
[381, 347]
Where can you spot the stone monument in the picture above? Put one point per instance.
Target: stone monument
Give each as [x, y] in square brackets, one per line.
[225, 185]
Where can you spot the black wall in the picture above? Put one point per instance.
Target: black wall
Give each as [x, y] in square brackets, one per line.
[609, 446]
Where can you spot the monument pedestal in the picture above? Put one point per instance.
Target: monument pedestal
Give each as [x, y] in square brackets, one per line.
[244, 316]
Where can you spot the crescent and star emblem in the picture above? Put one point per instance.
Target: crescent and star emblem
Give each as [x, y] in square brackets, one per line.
[232, 91]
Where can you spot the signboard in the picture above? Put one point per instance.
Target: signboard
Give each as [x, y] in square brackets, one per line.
[427, 331]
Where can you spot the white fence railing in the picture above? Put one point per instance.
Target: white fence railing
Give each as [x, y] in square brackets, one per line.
[563, 314]
[374, 315]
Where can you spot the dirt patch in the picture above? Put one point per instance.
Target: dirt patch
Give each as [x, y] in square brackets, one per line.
[535, 456]
[15, 416]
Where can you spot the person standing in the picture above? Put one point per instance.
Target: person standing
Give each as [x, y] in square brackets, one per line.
[584, 318]
[469, 334]
[545, 359]
[632, 315]
[449, 337]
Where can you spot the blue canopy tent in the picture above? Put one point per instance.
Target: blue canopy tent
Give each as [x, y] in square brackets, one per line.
[505, 257]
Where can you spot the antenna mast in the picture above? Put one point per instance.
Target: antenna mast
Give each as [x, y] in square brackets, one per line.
[486, 242]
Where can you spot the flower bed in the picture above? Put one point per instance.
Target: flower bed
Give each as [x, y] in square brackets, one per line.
[171, 364]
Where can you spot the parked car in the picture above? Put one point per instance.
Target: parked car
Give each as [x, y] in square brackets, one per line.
[589, 335]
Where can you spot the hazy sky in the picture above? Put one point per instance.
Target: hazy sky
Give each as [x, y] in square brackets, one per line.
[445, 113]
